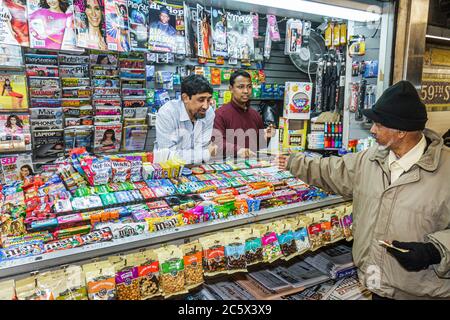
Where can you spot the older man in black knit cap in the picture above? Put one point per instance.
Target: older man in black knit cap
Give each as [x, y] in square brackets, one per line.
[401, 199]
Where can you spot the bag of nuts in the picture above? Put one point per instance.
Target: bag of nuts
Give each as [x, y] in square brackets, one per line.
[253, 245]
[235, 253]
[171, 265]
[315, 232]
[271, 246]
[127, 283]
[73, 287]
[213, 255]
[286, 239]
[193, 264]
[300, 227]
[7, 291]
[346, 220]
[100, 280]
[148, 273]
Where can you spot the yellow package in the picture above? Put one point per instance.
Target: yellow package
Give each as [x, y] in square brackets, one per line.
[163, 223]
[7, 291]
[336, 35]
[329, 35]
[343, 32]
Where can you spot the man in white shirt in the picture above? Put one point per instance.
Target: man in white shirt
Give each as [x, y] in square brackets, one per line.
[184, 126]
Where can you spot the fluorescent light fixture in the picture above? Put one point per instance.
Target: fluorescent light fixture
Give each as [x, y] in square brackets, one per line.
[318, 9]
[436, 37]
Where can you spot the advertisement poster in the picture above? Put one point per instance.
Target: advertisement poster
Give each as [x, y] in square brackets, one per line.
[48, 145]
[162, 35]
[15, 167]
[219, 33]
[13, 92]
[240, 36]
[90, 24]
[107, 138]
[117, 35]
[50, 24]
[204, 32]
[16, 133]
[14, 23]
[138, 17]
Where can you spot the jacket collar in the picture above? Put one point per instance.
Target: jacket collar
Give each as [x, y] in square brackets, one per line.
[430, 159]
[184, 116]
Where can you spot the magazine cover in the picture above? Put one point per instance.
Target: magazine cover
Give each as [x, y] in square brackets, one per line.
[14, 23]
[117, 34]
[46, 113]
[79, 137]
[46, 124]
[67, 59]
[15, 167]
[10, 56]
[103, 59]
[43, 82]
[72, 93]
[76, 71]
[41, 71]
[135, 137]
[107, 138]
[135, 112]
[48, 21]
[90, 24]
[16, 133]
[41, 59]
[204, 32]
[48, 145]
[163, 26]
[219, 32]
[75, 82]
[240, 36]
[45, 103]
[190, 22]
[105, 83]
[51, 93]
[138, 15]
[75, 103]
[13, 92]
[78, 116]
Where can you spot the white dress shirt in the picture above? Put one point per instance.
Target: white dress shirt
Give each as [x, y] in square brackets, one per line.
[175, 131]
[398, 166]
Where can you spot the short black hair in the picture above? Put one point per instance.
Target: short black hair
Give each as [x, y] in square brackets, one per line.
[195, 84]
[239, 73]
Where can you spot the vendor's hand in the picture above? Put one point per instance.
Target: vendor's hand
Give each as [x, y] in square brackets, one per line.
[245, 153]
[281, 161]
[419, 257]
[269, 132]
[213, 148]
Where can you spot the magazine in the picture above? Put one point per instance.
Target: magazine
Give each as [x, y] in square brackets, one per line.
[332, 260]
[43, 82]
[134, 137]
[138, 12]
[46, 124]
[10, 55]
[106, 119]
[51, 93]
[51, 25]
[190, 22]
[204, 32]
[48, 145]
[134, 103]
[46, 113]
[45, 103]
[13, 92]
[112, 102]
[107, 138]
[15, 135]
[90, 24]
[219, 32]
[135, 112]
[348, 289]
[67, 59]
[106, 92]
[317, 292]
[41, 59]
[14, 23]
[74, 71]
[103, 59]
[75, 102]
[240, 36]
[108, 111]
[78, 137]
[105, 72]
[105, 83]
[75, 82]
[117, 35]
[83, 93]
[163, 30]
[42, 71]
[77, 116]
[300, 274]
[270, 281]
[15, 167]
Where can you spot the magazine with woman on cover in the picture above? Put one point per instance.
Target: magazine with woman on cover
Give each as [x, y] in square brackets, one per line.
[219, 32]
[16, 133]
[90, 24]
[14, 23]
[51, 24]
[13, 92]
[204, 32]
[117, 35]
[138, 17]
[240, 36]
[107, 138]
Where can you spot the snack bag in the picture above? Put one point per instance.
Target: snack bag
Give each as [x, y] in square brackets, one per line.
[253, 245]
[101, 169]
[315, 234]
[73, 286]
[7, 291]
[171, 265]
[235, 252]
[346, 220]
[336, 232]
[148, 273]
[127, 283]
[301, 234]
[286, 239]
[213, 255]
[271, 246]
[193, 264]
[26, 289]
[121, 170]
[100, 280]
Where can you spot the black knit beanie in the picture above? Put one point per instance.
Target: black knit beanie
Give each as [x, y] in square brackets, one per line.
[399, 107]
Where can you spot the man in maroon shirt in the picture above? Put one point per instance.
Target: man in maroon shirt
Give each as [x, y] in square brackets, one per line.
[238, 129]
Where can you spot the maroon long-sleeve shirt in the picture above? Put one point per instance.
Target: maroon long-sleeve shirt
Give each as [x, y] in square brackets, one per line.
[235, 128]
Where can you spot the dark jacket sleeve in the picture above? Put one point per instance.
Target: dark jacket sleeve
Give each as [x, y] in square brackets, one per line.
[220, 138]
